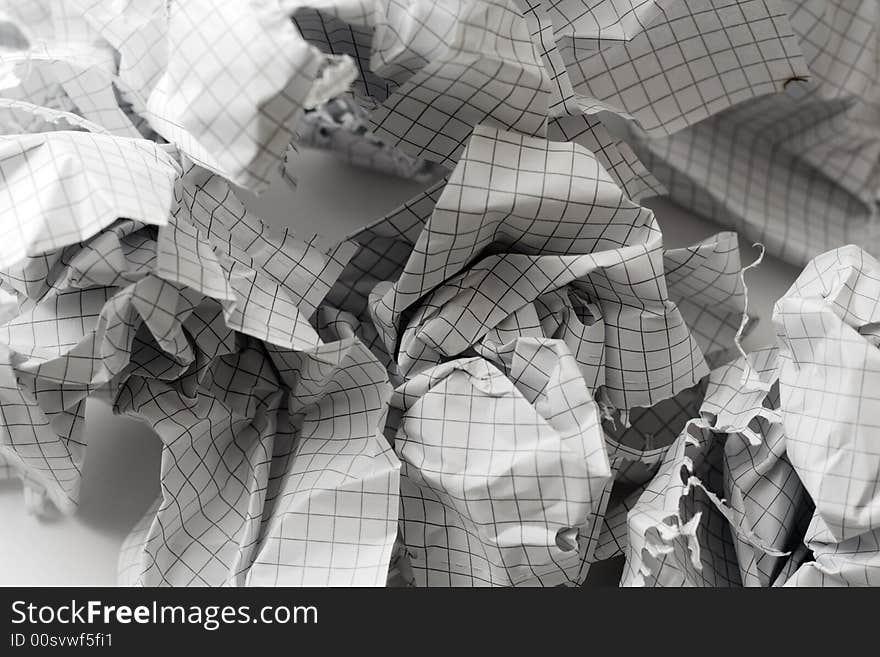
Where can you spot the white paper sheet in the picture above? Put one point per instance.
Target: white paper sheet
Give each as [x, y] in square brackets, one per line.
[504, 380]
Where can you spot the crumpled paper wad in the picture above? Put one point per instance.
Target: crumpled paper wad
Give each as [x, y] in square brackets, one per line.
[775, 482]
[502, 381]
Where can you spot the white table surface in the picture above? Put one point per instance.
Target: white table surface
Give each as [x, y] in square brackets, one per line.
[120, 474]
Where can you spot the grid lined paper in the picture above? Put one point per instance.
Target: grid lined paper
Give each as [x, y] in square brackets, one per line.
[798, 171]
[503, 380]
[799, 504]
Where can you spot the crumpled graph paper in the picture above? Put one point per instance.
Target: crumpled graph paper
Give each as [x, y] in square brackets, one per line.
[786, 437]
[802, 168]
[501, 382]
